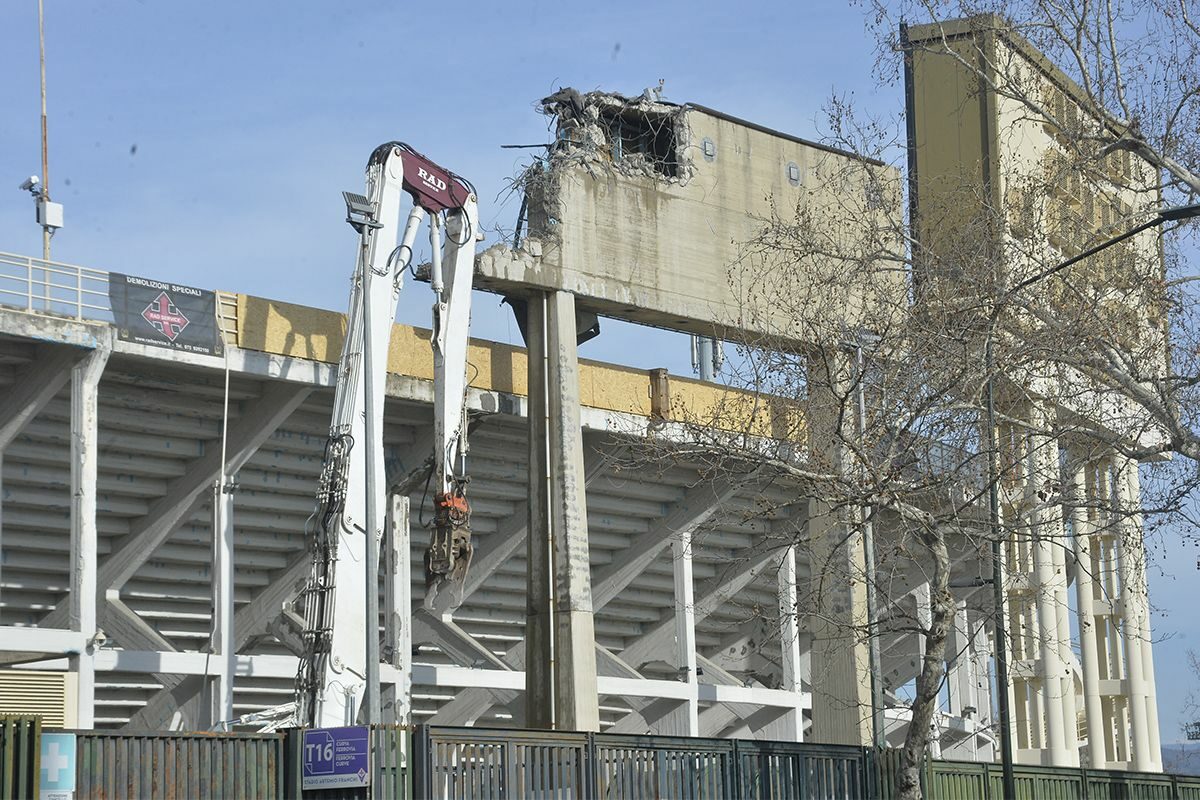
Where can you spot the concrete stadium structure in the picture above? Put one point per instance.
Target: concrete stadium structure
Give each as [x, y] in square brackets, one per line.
[670, 607]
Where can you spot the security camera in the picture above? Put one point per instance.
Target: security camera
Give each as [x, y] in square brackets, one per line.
[31, 183]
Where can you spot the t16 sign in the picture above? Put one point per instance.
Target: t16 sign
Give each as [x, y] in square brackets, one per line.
[336, 758]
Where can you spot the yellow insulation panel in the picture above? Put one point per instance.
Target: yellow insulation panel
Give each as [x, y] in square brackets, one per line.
[296, 331]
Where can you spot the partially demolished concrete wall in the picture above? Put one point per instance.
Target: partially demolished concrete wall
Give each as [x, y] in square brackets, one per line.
[649, 211]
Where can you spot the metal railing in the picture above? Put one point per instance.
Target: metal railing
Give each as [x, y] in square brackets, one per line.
[173, 766]
[485, 764]
[478, 764]
[74, 292]
[49, 287]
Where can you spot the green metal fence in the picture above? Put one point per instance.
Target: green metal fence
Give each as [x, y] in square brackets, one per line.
[481, 764]
[966, 780]
[178, 766]
[20, 757]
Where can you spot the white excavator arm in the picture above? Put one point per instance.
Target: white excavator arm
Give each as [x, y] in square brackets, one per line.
[331, 680]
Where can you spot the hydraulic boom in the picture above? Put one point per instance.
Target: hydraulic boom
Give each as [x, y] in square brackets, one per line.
[331, 681]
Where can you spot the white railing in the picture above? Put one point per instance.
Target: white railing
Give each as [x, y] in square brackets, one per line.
[48, 287]
[66, 290]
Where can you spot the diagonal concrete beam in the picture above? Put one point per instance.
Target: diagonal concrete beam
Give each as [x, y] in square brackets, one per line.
[509, 537]
[659, 638]
[697, 507]
[36, 386]
[470, 703]
[715, 594]
[255, 618]
[186, 492]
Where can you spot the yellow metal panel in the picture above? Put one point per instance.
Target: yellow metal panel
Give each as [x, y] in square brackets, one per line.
[297, 331]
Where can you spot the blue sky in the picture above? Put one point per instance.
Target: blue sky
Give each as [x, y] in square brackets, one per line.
[208, 143]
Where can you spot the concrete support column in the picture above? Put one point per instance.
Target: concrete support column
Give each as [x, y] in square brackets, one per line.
[960, 666]
[688, 714]
[841, 663]
[1070, 703]
[1047, 532]
[1134, 613]
[85, 389]
[219, 703]
[841, 676]
[396, 699]
[560, 674]
[1, 535]
[1082, 523]
[1133, 490]
[792, 722]
[981, 654]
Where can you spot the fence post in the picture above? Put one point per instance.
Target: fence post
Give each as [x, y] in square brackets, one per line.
[735, 773]
[420, 763]
[591, 770]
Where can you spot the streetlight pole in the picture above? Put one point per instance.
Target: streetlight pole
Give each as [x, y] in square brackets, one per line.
[1170, 214]
[46, 229]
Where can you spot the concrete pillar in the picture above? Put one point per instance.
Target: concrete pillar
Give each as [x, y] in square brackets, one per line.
[218, 704]
[1047, 531]
[1070, 703]
[1133, 494]
[560, 674]
[841, 677]
[960, 666]
[981, 655]
[1134, 613]
[841, 671]
[396, 699]
[1082, 516]
[85, 388]
[791, 725]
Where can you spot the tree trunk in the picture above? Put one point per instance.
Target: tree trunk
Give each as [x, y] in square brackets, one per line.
[929, 681]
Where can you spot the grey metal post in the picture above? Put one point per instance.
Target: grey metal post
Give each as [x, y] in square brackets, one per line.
[1005, 714]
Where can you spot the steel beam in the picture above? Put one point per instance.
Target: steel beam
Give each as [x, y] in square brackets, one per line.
[220, 690]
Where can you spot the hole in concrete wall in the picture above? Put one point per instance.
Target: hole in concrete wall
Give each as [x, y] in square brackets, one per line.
[637, 134]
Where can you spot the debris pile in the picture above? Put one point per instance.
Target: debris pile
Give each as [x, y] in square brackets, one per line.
[642, 136]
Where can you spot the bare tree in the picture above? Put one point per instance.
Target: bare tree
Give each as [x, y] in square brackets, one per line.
[1099, 357]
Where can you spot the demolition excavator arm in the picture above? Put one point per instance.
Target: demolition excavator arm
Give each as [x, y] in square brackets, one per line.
[330, 682]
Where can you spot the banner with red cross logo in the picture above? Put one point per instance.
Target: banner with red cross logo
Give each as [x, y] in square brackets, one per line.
[164, 314]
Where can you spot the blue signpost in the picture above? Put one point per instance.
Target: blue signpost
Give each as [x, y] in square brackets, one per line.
[336, 758]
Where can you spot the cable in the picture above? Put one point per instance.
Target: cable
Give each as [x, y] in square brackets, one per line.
[424, 495]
